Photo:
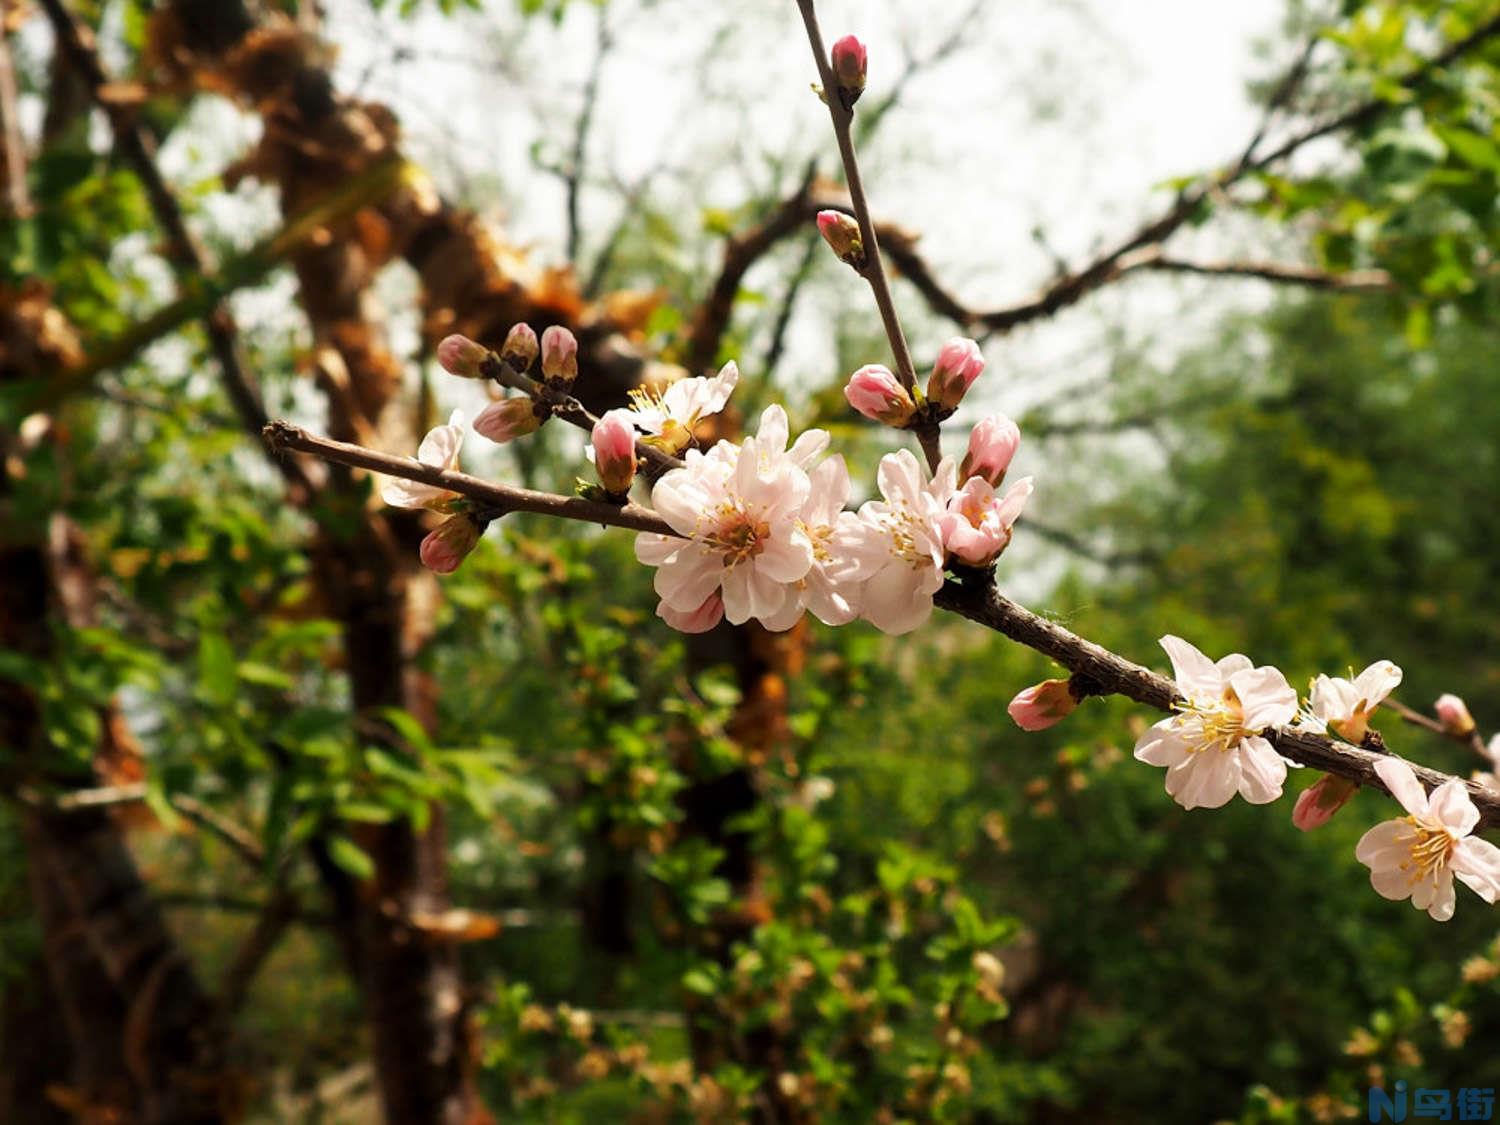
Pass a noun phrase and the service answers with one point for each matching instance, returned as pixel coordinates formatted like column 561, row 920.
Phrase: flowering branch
column 840, row 110
column 974, row 596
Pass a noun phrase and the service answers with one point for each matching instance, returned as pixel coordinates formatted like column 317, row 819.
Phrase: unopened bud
column 876, row 393
column 449, row 543
column 509, row 418
column 559, row 355
column 614, row 451
column 841, row 233
column 850, row 63
column 992, row 445
column 1042, row 705
column 1320, row 800
column 461, row 356
column 520, row 348
column 958, row 364
column 1453, row 713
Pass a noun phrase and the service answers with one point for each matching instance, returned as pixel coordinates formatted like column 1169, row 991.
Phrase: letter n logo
column 1383, row 1108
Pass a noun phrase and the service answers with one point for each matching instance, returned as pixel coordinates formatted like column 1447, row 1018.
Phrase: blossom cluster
column 762, row 527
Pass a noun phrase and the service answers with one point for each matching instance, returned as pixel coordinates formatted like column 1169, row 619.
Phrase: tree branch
column 872, row 269
column 980, row 602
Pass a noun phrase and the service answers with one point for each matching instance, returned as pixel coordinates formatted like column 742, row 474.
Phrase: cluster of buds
column 877, row 393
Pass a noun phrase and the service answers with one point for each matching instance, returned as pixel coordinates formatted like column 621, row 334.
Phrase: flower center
column 903, row 526
column 736, row 534
column 821, row 537
column 1429, row 852
column 1217, row 724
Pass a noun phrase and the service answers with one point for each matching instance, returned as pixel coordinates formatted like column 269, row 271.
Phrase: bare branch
column 573, row 173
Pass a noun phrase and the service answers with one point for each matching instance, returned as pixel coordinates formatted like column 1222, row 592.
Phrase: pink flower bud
column 841, row 233
column 958, row 365
column 614, row 451
column 1320, row 800
column 559, row 355
column 509, row 418
column 1042, row 705
column 992, row 444
column 700, row 620
column 850, row 63
column 459, row 355
column 1453, row 713
column 876, row 393
column 520, row 347
column 449, row 544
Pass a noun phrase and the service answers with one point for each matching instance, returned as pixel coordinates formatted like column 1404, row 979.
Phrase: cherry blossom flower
column 740, row 533
column 977, row 524
column 1042, row 705
column 1418, row 855
column 1212, row 747
column 896, row 546
column 671, row 415
column 1346, row 705
column 439, row 449
column 830, row 590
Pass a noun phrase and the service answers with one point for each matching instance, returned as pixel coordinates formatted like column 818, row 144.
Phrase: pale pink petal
column 1385, row 845
column 1440, row 907
column 1391, row 883
column 1265, row 696
column 700, row 620
column 1262, row 771
column 400, row 493
column 1403, row 785
column 786, row 558
column 1234, row 662
column 1161, row 745
column 1376, row 682
column 1193, row 672
column 687, row 579
column 893, row 602
column 653, row 549
column 1451, row 805
column 1205, row 780
column 1477, row 863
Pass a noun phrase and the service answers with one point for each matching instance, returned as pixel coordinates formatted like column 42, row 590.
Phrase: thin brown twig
column 1473, row 739
column 979, row 602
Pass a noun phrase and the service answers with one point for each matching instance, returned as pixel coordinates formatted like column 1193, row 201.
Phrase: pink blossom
column 831, row 590
column 977, row 524
column 613, row 444
column 1418, row 855
column 737, row 516
column 992, row 445
column 1212, row 746
column 958, row 364
column 1319, row 801
column 559, row 355
column 1346, row 705
column 459, row 355
column 671, row 414
column 841, row 233
column 877, row 394
column 449, row 544
column 439, row 450
column 896, row 545
column 1042, row 705
column 1453, row 713
column 507, row 419
column 520, row 348
column 700, row 620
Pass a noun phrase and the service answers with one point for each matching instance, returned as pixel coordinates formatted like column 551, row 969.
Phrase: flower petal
column 1477, row 863
column 1403, row 785
column 1193, row 672
column 1262, row 771
column 1450, row 803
